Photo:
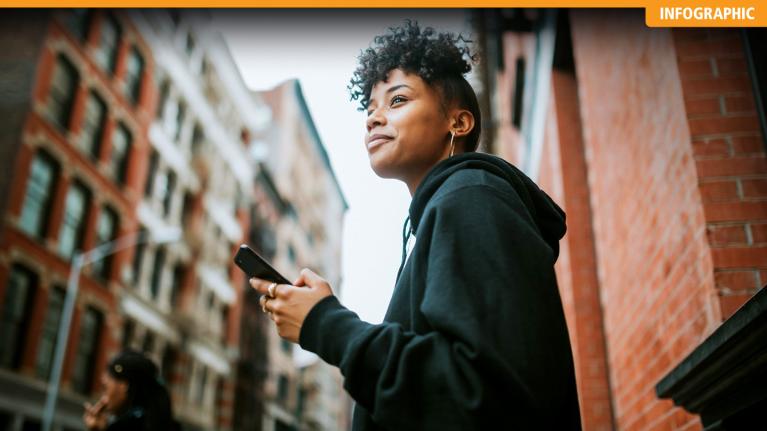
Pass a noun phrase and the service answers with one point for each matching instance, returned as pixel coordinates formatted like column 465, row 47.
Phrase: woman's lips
column 378, row 140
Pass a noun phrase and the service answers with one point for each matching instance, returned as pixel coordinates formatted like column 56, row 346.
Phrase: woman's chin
column 381, row 165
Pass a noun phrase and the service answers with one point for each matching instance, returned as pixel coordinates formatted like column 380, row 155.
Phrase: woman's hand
column 95, row 416
column 291, row 304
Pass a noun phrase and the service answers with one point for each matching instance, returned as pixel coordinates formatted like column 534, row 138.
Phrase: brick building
column 651, row 141
column 203, row 174
column 126, row 122
column 74, row 146
column 302, row 396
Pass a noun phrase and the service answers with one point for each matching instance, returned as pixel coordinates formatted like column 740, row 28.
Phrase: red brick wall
column 39, row 133
column 729, row 156
column 563, row 174
column 654, row 269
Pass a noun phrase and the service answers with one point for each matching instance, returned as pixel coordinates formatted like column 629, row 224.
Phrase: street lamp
column 79, row 260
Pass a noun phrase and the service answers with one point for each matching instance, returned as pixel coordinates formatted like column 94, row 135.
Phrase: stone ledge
column 724, row 378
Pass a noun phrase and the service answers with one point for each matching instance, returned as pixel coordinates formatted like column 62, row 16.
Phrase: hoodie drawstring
column 406, row 231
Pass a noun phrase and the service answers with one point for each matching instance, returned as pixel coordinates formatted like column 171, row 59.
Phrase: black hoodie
column 474, row 337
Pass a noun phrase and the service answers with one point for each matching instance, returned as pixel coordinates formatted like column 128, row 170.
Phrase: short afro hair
column 440, row 59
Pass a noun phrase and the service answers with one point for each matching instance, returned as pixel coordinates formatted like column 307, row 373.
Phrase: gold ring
column 263, row 306
column 271, row 289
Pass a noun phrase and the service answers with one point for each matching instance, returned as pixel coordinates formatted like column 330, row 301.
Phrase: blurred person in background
column 133, row 398
column 474, row 337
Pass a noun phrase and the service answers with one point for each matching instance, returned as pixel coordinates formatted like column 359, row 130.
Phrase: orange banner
column 706, row 13
column 658, row 13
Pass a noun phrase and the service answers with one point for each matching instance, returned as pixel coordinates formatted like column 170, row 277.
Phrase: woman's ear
column 463, row 122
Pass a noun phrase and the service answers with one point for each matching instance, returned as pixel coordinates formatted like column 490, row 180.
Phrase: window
column 224, row 321
column 300, row 402
column 39, row 195
column 164, row 93
column 85, row 359
column 133, row 76
column 168, row 361
column 190, row 44
column 121, row 143
column 138, row 257
column 167, row 197
column 75, row 211
column 14, row 321
column 198, row 139
column 47, row 346
column 148, row 344
column 180, row 115
column 129, row 328
column 187, row 208
column 77, row 22
column 238, row 197
column 201, row 386
column 282, row 388
column 519, row 89
column 175, row 16
column 159, row 264
column 93, row 124
column 106, row 54
column 153, row 161
column 178, row 282
column 62, row 93
column 106, row 231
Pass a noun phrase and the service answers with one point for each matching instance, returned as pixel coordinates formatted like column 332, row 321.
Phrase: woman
column 133, row 398
column 474, row 337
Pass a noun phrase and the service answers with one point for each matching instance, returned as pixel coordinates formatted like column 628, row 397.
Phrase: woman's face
column 408, row 130
column 115, row 392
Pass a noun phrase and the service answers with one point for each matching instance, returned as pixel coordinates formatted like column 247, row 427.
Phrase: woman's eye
column 397, row 99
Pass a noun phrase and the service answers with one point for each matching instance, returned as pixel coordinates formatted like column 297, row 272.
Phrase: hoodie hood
column 549, row 217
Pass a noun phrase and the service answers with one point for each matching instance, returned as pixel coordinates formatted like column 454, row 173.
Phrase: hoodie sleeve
column 488, row 291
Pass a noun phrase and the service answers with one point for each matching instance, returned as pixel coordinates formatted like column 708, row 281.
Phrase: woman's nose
column 376, row 118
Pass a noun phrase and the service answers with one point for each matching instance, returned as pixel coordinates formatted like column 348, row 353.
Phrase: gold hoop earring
column 452, row 144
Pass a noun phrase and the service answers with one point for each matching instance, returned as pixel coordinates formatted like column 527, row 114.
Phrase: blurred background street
column 181, row 134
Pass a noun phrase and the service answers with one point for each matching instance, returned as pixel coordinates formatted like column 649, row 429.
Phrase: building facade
column 73, row 150
column 122, row 123
column 651, row 141
column 303, row 393
column 200, row 177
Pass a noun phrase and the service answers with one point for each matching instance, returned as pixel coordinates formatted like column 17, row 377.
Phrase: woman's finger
column 263, row 302
column 310, row 278
column 260, row 285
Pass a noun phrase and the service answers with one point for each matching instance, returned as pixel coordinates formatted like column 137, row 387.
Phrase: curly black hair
column 440, row 59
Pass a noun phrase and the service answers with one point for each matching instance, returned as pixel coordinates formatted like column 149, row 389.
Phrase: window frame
column 60, row 111
column 119, row 166
column 102, row 268
column 96, row 131
column 80, row 226
column 106, row 55
column 42, row 212
column 83, row 375
column 134, row 81
column 15, row 332
column 49, row 332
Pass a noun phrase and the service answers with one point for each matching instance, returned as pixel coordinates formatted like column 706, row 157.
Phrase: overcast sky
column 320, row 48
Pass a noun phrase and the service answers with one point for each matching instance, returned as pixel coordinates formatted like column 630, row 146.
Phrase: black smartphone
column 255, row 266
